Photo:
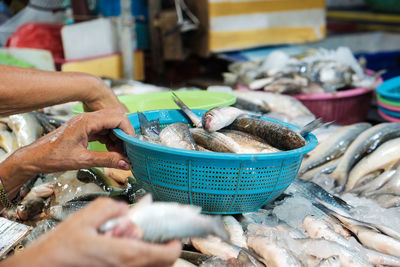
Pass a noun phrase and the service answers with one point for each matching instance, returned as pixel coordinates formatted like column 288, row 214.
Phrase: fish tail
column 315, row 124
column 193, row 117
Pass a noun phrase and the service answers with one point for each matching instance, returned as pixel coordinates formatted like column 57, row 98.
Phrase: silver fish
column 249, row 143
column 164, row 221
column 235, row 231
column 326, row 168
column 275, row 134
column 60, row 212
column 26, row 128
column 334, row 147
column 391, row 187
column 177, row 135
column 197, row 121
column 215, row 141
column 220, row 117
column 245, row 104
column 382, row 157
column 364, row 144
column 336, row 226
column 332, row 261
column 377, row 258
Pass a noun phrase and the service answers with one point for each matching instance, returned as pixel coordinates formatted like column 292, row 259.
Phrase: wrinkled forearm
column 23, row 90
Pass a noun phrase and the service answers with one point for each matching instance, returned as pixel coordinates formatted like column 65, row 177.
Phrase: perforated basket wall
column 221, row 183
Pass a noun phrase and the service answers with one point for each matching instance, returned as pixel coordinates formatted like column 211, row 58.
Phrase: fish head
column 28, row 209
column 210, row 123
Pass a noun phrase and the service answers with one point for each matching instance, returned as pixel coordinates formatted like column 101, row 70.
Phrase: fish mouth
column 207, row 121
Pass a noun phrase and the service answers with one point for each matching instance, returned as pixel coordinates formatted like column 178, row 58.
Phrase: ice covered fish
column 60, row 212
column 164, row 221
column 215, row 141
column 388, row 200
column 334, row 147
column 364, row 144
column 391, row 187
column 220, row 117
column 381, row 158
column 250, row 143
column 326, row 168
column 26, row 128
column 276, row 134
column 177, row 135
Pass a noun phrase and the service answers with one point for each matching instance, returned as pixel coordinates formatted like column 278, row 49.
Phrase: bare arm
column 23, row 90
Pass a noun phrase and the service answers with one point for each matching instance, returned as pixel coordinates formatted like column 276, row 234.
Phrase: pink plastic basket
column 343, row 107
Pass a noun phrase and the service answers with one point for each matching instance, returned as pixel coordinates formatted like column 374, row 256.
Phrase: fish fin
column 315, row 124
column 196, row 120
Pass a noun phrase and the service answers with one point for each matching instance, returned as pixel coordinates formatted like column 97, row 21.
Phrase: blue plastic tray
column 390, row 112
column 221, row 183
column 390, row 89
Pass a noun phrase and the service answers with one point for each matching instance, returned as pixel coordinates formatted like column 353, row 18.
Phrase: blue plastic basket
column 221, row 183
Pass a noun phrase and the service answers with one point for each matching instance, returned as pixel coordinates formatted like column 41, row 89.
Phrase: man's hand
column 77, row 242
column 66, row 149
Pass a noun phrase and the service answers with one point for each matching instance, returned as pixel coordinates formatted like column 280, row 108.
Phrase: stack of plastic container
column 388, row 99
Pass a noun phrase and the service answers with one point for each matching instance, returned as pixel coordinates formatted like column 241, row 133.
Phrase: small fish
column 332, row 261
column 377, row 258
column 164, row 221
column 382, row 157
column 317, row 228
column 30, row 208
column 249, row 143
column 391, row 187
column 215, row 141
column 312, row 191
column 26, row 128
column 388, row 200
column 150, row 130
column 41, row 191
column 197, row 121
column 177, row 135
column 272, row 254
column 214, row 246
column 60, row 212
column 364, row 144
column 220, row 117
column 334, row 147
column 337, row 226
column 326, row 168
column 376, row 183
column 276, row 134
column 235, row 231
column 244, row 104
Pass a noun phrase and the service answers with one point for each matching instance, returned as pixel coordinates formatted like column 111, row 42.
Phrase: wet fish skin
column 364, row 144
column 165, row 221
column 235, row 231
column 382, row 157
column 26, row 128
column 30, row 208
column 249, row 143
column 220, row 117
column 177, row 135
column 215, row 141
column 275, row 134
column 60, row 212
column 334, row 147
column 196, row 120
column 312, row 191
column 150, row 130
column 391, row 187
column 375, row 184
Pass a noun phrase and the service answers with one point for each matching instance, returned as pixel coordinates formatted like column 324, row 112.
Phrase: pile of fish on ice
column 315, row 72
column 306, row 226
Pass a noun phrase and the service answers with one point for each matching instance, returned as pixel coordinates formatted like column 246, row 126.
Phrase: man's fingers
column 100, row 211
column 109, row 119
column 107, row 159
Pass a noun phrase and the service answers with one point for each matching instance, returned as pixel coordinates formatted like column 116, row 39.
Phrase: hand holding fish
column 77, row 242
column 66, row 149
